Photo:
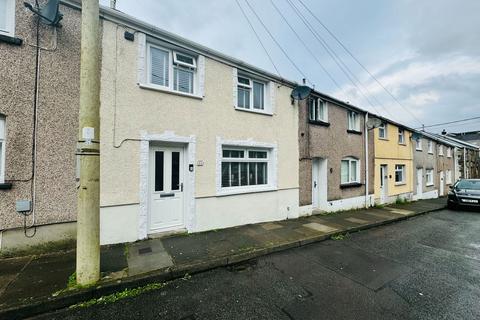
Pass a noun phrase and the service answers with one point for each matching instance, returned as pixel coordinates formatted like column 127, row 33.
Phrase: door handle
column 314, row 184
column 181, row 187
column 166, row 195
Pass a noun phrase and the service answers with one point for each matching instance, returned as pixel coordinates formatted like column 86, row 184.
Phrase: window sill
column 430, row 152
column 351, row 185
column 11, row 40
column 319, row 123
column 402, row 144
column 400, row 183
column 385, row 139
column 5, row 186
column 243, row 190
column 167, row 90
column 429, row 185
column 254, row 111
column 354, row 131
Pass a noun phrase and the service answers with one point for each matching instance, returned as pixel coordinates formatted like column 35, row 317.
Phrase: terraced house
column 191, row 139
column 434, row 165
column 336, row 169
column 393, row 162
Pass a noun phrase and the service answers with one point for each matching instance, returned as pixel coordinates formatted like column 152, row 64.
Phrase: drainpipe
column 464, row 163
column 365, row 129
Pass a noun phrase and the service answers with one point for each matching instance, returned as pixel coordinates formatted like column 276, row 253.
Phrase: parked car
column 465, row 192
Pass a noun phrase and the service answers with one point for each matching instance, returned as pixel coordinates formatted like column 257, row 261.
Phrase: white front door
column 442, row 184
column 315, row 182
column 166, row 205
column 419, row 183
column 319, row 183
column 383, row 183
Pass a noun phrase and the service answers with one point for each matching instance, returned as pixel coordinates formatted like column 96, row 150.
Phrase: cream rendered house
column 191, row 139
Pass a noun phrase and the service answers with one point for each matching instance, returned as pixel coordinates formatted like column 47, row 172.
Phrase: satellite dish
column 301, row 92
column 374, row 123
column 49, row 13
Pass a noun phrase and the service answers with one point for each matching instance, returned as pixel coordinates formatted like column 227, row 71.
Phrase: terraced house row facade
column 191, row 139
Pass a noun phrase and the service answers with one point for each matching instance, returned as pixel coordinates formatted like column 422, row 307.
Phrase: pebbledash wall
column 330, row 141
column 136, row 115
column 425, row 160
column 57, row 122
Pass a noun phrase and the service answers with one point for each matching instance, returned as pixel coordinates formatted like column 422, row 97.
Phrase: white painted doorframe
column 319, row 183
column 442, row 183
column 167, row 188
column 419, row 183
column 383, row 183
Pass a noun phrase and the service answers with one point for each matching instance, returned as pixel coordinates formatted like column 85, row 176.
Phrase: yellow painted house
column 393, row 163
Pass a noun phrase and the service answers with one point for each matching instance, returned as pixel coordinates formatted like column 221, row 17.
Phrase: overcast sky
column 425, row 52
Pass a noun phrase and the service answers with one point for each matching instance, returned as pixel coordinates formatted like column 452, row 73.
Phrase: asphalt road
column 423, row 268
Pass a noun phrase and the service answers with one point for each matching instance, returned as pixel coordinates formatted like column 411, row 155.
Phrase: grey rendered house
column 433, row 160
column 38, row 125
column 336, row 169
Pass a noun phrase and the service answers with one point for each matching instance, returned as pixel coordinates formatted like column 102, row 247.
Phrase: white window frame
column 172, row 64
column 429, row 177
column 430, row 146
column 383, row 128
column 440, row 150
column 252, row 146
column 3, row 138
column 353, row 121
column 10, row 19
column 350, row 160
column 401, row 136
column 250, row 86
column 449, row 152
column 418, row 144
column 400, row 168
column 317, row 102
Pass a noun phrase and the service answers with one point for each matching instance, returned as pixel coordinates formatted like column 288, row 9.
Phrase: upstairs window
column 430, row 146
column 353, row 121
column 449, row 152
column 448, row 177
column 350, row 168
column 440, row 150
column 250, row 94
column 401, row 136
column 382, row 131
column 172, row 70
column 245, row 167
column 399, row 173
column 317, row 110
column 7, row 17
column 418, row 144
column 2, row 149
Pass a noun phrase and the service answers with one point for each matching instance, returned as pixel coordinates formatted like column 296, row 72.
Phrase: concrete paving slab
column 320, row 227
column 356, row 220
column 403, row 212
column 40, row 278
column 113, row 258
column 147, row 256
column 271, row 226
column 10, row 269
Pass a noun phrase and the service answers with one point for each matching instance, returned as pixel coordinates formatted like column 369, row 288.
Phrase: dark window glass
column 244, row 174
column 226, row 174
column 257, row 154
column 158, row 170
column 233, row 153
column 175, row 170
column 235, row 174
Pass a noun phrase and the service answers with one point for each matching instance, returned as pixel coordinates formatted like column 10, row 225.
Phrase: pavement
column 426, row 267
column 37, row 284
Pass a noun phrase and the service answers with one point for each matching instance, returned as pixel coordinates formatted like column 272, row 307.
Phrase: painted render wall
column 58, row 104
column 130, row 112
column 331, row 142
column 422, row 159
column 388, row 151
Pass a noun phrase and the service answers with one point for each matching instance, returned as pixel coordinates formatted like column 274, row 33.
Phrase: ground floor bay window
column 244, row 168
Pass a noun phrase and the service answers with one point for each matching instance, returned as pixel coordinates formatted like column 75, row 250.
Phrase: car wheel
column 451, row 206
